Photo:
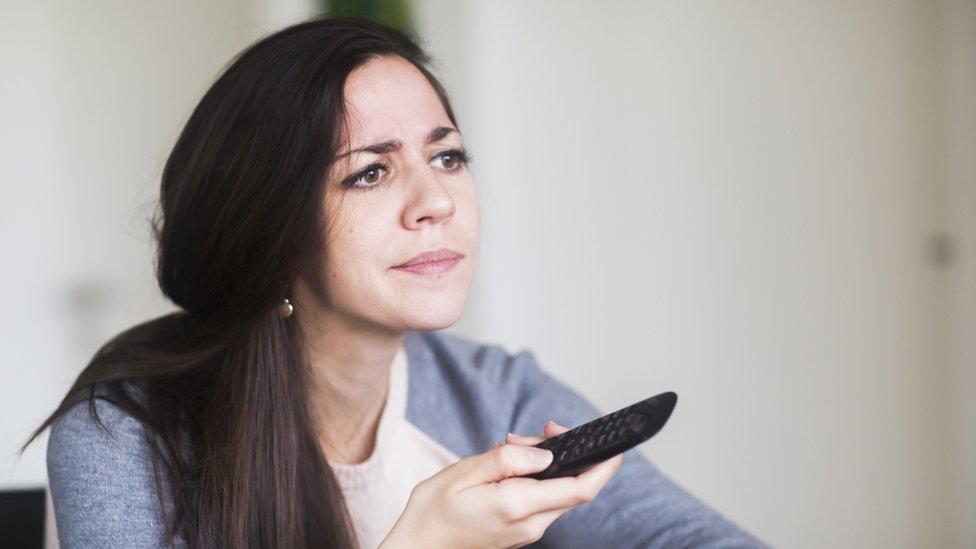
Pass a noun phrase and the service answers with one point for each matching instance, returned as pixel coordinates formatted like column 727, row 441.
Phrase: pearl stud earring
column 286, row 308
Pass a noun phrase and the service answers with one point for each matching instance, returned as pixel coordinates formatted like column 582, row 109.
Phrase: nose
column 430, row 201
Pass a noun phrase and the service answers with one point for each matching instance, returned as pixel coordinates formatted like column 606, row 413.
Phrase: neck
column 349, row 382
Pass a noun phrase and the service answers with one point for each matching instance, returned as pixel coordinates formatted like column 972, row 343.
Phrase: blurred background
column 768, row 207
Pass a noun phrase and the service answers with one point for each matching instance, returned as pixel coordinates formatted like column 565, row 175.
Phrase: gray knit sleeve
column 102, row 484
column 639, row 506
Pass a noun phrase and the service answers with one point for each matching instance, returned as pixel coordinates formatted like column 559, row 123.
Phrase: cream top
column 377, row 489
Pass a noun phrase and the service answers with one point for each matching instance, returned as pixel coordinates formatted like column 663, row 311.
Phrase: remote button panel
column 582, row 447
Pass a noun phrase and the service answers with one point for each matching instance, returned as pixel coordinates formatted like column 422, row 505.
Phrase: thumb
column 552, row 429
column 501, row 462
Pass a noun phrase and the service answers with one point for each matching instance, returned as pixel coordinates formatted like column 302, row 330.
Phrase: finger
column 552, row 429
column 512, row 438
column 536, row 496
column 501, row 462
column 539, row 496
column 540, row 522
column 601, row 473
column 545, row 518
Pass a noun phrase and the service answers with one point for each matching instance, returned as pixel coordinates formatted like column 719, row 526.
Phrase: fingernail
column 539, row 456
column 514, row 436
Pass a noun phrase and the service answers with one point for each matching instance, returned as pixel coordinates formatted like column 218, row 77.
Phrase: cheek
column 468, row 215
column 354, row 261
column 357, row 275
column 467, row 234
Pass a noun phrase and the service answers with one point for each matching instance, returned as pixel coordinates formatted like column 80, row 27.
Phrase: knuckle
column 529, row 531
column 505, row 457
column 585, row 494
column 508, row 511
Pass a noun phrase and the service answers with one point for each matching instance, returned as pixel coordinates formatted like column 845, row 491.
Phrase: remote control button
column 637, row 422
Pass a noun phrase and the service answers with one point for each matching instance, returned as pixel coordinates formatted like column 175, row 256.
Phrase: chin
column 433, row 314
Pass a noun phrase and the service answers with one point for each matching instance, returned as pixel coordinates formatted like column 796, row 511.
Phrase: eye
column 368, row 175
column 454, row 159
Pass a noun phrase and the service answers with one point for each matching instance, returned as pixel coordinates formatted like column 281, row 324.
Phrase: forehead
column 388, row 97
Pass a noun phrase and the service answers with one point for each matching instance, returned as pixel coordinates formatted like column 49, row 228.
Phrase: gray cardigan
column 464, row 394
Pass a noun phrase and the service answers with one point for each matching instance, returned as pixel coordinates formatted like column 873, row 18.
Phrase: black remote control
column 582, row 447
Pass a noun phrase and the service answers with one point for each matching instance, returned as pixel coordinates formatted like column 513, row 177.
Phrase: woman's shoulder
column 101, row 473
column 467, row 393
column 96, row 434
column 97, row 415
column 507, row 376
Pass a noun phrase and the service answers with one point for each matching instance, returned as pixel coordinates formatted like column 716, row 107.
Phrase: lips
column 443, row 254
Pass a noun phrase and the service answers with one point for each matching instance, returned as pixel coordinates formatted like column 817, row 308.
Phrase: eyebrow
column 394, row 144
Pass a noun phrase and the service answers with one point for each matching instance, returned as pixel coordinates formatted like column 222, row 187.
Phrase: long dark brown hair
column 221, row 384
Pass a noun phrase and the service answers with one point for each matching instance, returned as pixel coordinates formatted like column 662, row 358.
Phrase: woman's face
column 423, row 200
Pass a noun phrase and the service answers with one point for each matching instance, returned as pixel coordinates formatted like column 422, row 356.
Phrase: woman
column 318, row 225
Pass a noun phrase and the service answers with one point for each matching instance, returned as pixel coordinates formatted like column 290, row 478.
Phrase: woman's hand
column 480, row 501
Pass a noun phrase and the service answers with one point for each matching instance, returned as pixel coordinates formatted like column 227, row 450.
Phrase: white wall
column 736, row 201
column 93, row 97
column 959, row 132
